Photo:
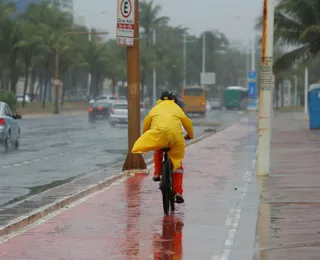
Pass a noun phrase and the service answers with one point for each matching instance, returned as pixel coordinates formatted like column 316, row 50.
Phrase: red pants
column 177, row 175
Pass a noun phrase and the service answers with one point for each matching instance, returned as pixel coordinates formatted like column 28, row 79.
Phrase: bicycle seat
column 167, row 149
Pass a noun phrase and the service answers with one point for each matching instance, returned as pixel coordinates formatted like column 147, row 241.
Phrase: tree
column 297, row 26
column 150, row 19
column 29, row 47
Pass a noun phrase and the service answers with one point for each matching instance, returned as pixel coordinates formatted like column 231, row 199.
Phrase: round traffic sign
column 126, row 8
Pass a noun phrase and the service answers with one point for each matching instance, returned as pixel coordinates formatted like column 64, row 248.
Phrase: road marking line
column 247, row 178
column 229, row 217
column 55, row 213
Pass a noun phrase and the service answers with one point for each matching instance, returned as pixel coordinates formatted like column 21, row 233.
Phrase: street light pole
column 266, row 78
column 184, row 58
column 306, row 83
column 154, row 73
column 134, row 161
column 57, row 81
column 203, row 55
column 253, row 53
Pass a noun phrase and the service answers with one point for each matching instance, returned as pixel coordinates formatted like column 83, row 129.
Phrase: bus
column 235, row 97
column 194, row 99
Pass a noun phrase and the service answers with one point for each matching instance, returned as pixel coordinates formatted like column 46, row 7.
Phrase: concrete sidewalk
column 289, row 212
column 125, row 220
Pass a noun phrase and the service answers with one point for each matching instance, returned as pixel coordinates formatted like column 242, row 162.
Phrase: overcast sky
column 235, row 18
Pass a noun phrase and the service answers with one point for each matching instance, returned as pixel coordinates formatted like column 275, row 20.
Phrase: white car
column 119, row 113
column 9, row 128
column 20, row 98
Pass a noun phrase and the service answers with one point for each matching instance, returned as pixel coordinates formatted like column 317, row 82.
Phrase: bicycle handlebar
column 187, row 138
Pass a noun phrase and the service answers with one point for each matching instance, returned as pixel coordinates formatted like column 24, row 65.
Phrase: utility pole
column 134, row 161
column 89, row 75
column 184, row 58
column 203, row 55
column 154, row 72
column 253, row 53
column 265, row 110
column 306, row 83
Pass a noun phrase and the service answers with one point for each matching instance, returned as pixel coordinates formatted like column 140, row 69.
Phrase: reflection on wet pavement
column 126, row 221
column 57, row 149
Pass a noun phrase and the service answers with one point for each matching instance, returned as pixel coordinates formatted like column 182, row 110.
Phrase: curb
column 50, row 115
column 38, row 214
column 23, row 221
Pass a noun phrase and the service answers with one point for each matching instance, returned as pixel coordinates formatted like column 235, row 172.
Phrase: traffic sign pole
column 134, row 161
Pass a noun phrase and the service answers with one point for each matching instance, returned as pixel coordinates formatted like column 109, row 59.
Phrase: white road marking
column 229, row 217
column 234, row 221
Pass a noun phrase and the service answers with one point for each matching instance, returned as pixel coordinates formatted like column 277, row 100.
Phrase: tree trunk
column 92, row 89
column 32, row 84
column 114, row 86
column 40, row 87
column 13, row 72
column 26, row 81
column 1, row 80
column 47, row 77
column 282, row 94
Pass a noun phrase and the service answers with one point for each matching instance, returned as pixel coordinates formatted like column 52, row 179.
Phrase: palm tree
column 297, row 26
column 29, row 47
column 95, row 58
column 51, row 23
column 150, row 19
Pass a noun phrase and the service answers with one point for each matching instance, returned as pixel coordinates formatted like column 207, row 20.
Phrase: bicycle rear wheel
column 171, row 194
column 165, row 188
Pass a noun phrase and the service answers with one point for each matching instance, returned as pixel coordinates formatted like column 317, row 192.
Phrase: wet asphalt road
column 56, row 149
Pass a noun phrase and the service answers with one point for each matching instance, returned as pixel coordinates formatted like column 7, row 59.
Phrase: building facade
column 21, row 5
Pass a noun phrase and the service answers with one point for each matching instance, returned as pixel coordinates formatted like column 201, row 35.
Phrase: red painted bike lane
column 126, row 221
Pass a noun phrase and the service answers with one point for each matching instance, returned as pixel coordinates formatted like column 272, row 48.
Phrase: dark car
column 99, row 108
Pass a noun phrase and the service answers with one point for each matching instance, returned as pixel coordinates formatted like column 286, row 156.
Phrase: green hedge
column 9, row 98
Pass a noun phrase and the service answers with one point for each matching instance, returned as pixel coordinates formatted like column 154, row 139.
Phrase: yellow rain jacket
column 162, row 128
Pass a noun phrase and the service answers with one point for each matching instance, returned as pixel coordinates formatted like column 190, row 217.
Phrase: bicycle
column 166, row 182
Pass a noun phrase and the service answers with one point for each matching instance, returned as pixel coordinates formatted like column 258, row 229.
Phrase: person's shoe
column 179, row 198
column 156, row 178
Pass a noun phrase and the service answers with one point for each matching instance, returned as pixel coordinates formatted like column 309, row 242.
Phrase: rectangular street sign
column 125, row 22
column 207, row 78
column 252, row 75
column 252, row 89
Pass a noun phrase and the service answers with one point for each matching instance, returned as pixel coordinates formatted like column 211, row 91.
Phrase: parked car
column 119, row 113
column 20, row 98
column 9, row 128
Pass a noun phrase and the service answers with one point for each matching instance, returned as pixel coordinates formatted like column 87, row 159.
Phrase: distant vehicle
column 119, row 113
column 100, row 108
column 215, row 103
column 20, row 98
column 9, row 128
column 111, row 100
column 235, row 97
column 194, row 99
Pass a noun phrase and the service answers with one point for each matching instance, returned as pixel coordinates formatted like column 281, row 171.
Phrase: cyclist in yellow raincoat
column 161, row 129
